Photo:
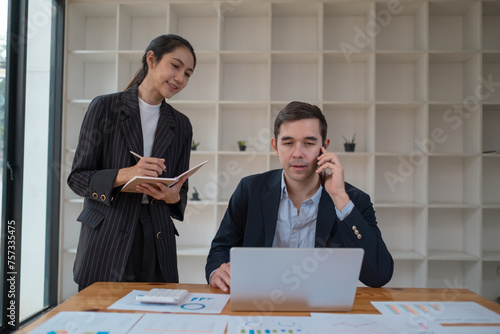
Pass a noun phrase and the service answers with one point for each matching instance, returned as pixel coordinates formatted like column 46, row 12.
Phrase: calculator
column 163, row 296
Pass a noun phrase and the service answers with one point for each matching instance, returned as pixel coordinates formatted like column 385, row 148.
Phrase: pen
column 139, row 156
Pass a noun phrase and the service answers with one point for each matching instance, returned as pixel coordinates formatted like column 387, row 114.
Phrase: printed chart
column 440, row 312
column 88, row 323
column 373, row 324
column 270, row 325
column 180, row 324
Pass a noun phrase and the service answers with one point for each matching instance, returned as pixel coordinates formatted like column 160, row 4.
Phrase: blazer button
column 359, row 236
column 159, row 235
column 354, row 228
column 103, row 197
column 154, row 202
column 94, row 195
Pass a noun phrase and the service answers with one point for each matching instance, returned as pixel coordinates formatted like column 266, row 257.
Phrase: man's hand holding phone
column 334, row 182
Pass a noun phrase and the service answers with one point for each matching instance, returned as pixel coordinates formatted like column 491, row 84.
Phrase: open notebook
column 129, row 187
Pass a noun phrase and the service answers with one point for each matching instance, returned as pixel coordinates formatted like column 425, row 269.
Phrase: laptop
column 294, row 279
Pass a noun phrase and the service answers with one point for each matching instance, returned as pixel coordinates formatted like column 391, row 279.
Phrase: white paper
column 88, row 322
column 374, row 323
column 194, row 303
column 473, row 329
column 180, row 324
column 270, row 324
column 441, row 312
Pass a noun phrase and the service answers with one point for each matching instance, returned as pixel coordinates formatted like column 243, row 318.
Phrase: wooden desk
column 99, row 296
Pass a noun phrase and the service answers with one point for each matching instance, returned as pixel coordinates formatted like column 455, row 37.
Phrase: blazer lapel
column 270, row 206
column 164, row 133
column 131, row 121
column 327, row 218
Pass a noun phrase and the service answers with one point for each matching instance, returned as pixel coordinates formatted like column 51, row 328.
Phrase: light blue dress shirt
column 297, row 229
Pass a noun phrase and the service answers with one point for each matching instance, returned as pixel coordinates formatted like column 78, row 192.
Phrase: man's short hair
column 295, row 111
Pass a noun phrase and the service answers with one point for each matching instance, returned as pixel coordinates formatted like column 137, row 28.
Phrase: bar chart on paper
column 271, row 325
column 441, row 312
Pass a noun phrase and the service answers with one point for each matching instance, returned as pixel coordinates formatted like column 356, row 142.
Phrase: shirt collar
column 284, row 192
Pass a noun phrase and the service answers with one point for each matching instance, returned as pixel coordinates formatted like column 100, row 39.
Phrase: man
column 305, row 204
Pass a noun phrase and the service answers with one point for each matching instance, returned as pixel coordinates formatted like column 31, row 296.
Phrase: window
column 31, row 35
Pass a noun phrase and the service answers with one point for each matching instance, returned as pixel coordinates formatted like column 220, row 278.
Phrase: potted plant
column 350, row 145
column 194, row 145
column 242, row 144
column 195, row 195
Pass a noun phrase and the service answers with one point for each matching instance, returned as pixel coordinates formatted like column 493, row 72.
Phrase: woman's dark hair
column 295, row 111
column 160, row 45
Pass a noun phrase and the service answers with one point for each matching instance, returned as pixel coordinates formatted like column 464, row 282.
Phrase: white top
column 149, row 120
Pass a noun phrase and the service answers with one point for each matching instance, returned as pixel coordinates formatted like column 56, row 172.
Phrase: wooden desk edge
column 99, row 296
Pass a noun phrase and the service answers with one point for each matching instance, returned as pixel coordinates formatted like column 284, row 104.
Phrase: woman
column 131, row 236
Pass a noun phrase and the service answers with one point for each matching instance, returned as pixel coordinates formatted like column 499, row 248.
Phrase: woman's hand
column 146, row 166
column 161, row 192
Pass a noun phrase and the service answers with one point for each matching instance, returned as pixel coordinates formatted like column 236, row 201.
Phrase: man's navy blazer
column 251, row 217
column 110, row 130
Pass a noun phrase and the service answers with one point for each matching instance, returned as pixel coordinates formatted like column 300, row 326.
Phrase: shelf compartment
column 491, row 281
column 203, row 180
column 454, row 27
column 491, row 231
column 232, row 168
column 71, row 212
column 295, row 26
column 348, row 27
column 91, row 74
column 294, row 77
column 196, row 22
column 400, row 77
column 75, row 112
column 246, row 27
column 454, row 234
column 444, row 274
column 400, row 179
column 453, row 129
column 128, row 64
column 245, row 77
column 491, row 25
column 194, row 230
column 453, row 77
column 490, row 134
column 491, row 77
column 348, row 80
column 192, row 269
column 203, row 118
column 345, row 119
column 131, row 22
column 357, row 171
column 404, row 231
column 454, row 180
column 235, row 125
column 405, row 122
column 408, row 273
column 91, row 28
column 202, row 84
column 401, row 27
column 490, row 181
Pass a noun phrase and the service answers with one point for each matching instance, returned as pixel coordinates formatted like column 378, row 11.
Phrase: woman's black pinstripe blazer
column 110, row 130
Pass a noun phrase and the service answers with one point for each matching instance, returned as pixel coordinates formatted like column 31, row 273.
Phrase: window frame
column 12, row 194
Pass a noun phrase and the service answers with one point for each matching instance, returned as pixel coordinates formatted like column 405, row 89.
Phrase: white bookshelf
column 416, row 82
